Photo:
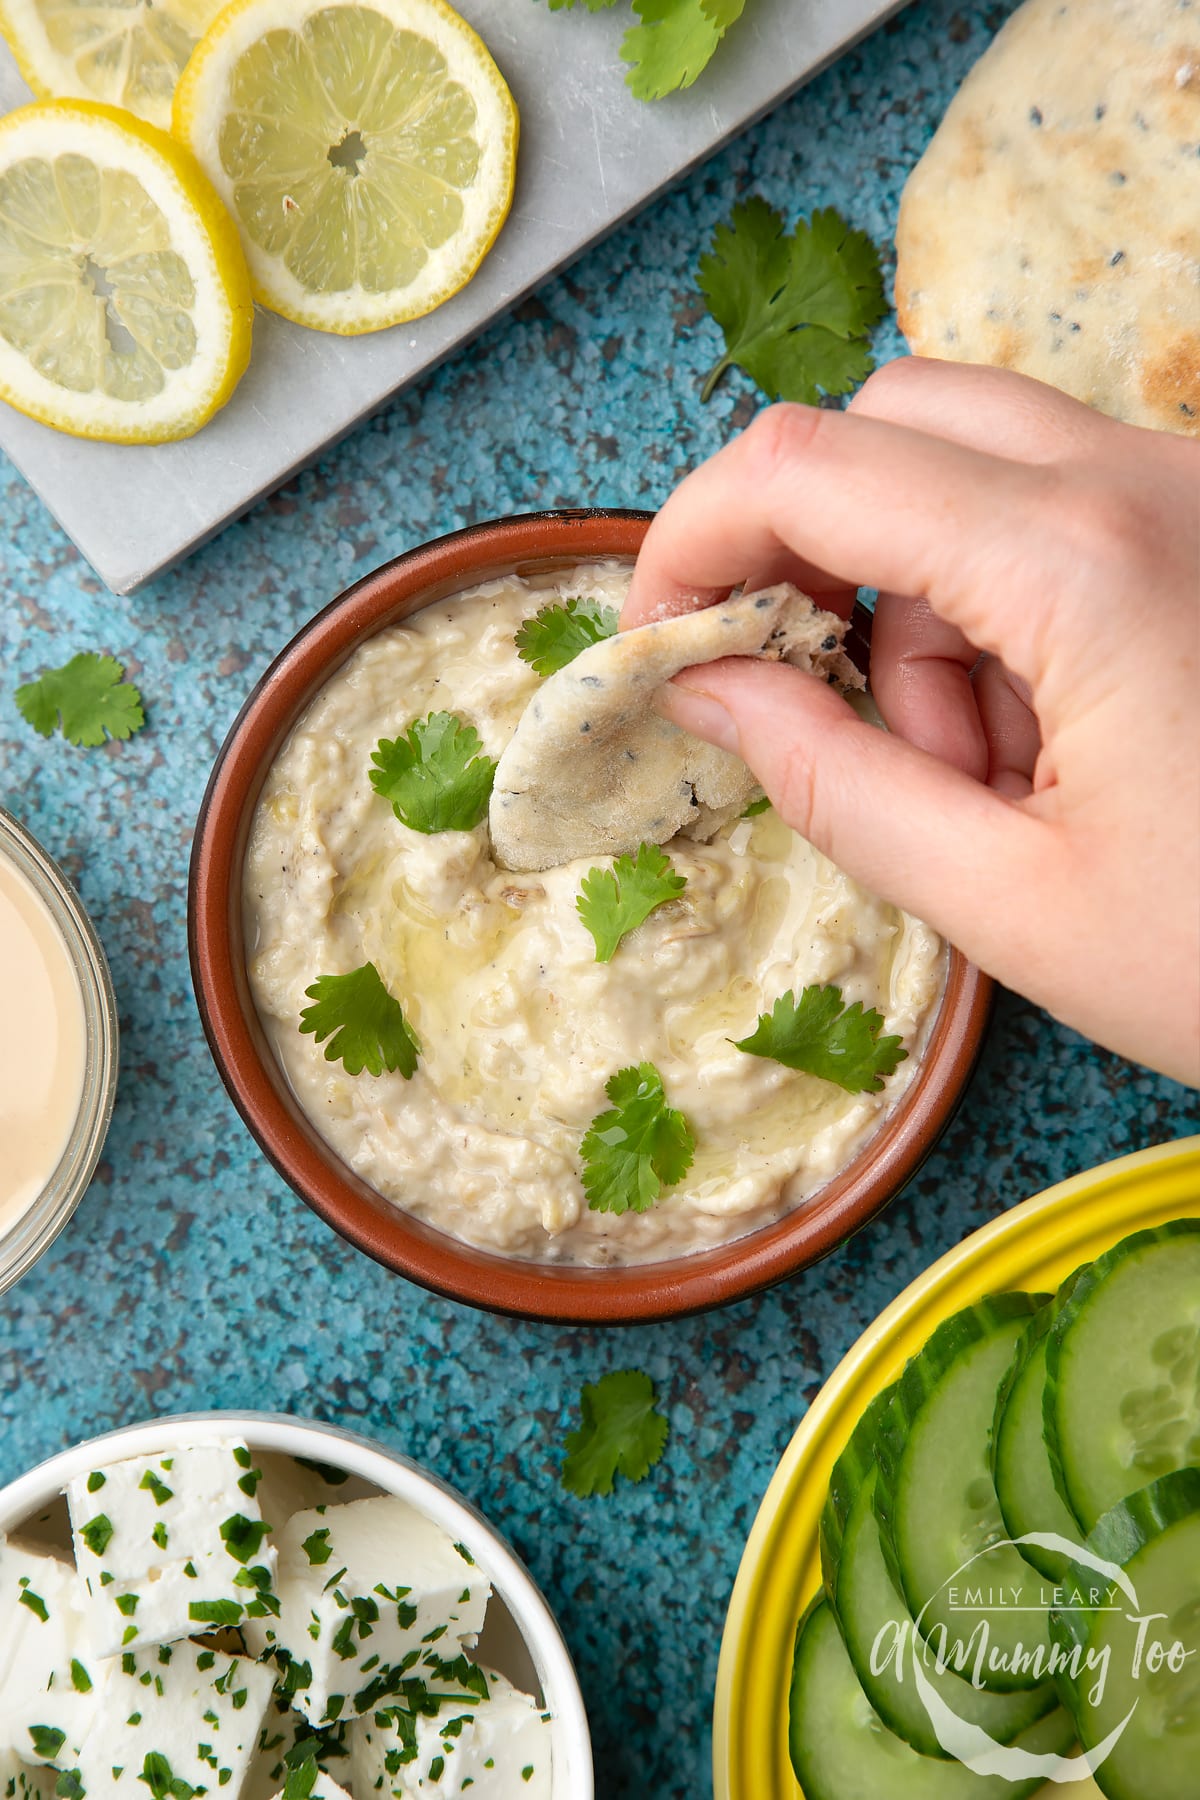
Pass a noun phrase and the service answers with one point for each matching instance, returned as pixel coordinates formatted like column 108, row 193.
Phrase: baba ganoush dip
column 519, row 1026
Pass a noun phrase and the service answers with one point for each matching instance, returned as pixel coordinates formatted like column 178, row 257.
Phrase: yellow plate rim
column 1035, row 1244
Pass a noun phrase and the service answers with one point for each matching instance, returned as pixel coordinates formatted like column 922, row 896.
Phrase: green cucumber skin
column 852, row 1468
column 918, row 1383
column 859, row 1571
column 841, row 1752
column 1005, row 1426
column 1129, row 1526
column 1133, row 1525
column 855, row 1471
column 1086, row 1282
column 1136, row 1521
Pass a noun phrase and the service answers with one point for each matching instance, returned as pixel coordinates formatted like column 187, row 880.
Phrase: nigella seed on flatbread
column 1053, row 224
column 592, row 769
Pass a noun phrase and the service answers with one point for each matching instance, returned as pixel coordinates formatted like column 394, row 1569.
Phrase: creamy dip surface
column 519, row 1026
column 42, row 1048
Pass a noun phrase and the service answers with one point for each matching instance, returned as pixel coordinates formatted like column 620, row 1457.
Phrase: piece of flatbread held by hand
column 1053, row 224
column 592, row 770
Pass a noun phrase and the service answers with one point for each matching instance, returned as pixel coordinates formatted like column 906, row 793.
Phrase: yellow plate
column 1035, row 1246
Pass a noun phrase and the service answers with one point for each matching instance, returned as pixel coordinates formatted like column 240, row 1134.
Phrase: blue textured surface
column 191, row 1277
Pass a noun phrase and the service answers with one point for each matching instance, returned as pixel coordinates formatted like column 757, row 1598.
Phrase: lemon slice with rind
column 125, row 306
column 367, row 152
column 126, row 53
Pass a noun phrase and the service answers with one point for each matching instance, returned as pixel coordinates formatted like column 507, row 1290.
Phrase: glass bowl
column 35, row 1228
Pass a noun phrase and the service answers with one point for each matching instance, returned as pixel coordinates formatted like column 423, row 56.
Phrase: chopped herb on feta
column 385, row 1603
column 498, row 1744
column 308, row 1782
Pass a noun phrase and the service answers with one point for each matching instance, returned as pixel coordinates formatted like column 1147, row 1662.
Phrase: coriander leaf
column 830, row 365
column 761, row 805
column 89, row 697
column 613, row 901
column 631, row 1152
column 558, row 632
column 242, row 1537
column 48, row 1740
column 163, row 1783
column 795, row 309
column 435, row 776
column 821, row 1036
column 621, row 1432
column 674, row 43
column 368, row 1026
column 215, row 1612
column 301, row 1779
column 97, row 1533
column 723, row 13
column 317, row 1547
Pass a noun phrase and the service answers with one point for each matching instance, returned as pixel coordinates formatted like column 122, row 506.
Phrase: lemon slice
column 125, row 52
column 366, row 151
column 125, row 307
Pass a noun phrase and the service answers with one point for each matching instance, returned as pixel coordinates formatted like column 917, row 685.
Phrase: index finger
column 858, row 502
column 827, row 590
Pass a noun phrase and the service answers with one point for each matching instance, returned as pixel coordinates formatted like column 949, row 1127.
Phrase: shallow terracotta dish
column 521, row 545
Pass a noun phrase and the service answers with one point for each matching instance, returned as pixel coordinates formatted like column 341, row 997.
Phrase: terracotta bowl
column 256, row 1083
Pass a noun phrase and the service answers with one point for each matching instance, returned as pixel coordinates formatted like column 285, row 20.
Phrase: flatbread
column 592, row 770
column 1053, row 224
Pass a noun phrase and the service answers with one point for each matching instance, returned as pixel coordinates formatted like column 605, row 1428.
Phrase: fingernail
column 703, row 716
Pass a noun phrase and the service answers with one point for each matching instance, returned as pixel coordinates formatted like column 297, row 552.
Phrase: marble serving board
column 590, row 156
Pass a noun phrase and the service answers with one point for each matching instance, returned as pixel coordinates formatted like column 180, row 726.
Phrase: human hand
column 1035, row 656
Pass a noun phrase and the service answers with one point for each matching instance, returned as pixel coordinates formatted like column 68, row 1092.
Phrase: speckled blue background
column 190, row 1276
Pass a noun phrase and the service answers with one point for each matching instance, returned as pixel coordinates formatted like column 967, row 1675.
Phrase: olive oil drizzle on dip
column 42, row 1045
column 519, row 1026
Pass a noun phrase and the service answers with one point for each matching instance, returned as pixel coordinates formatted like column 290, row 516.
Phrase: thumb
column 916, row 831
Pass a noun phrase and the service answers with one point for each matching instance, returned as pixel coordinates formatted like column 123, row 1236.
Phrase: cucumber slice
column 841, row 1751
column 873, row 1616
column 1029, row 1500
column 1123, row 1370
column 970, row 1592
column 1154, row 1535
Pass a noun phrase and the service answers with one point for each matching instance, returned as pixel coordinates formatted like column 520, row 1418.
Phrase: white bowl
column 520, row 1635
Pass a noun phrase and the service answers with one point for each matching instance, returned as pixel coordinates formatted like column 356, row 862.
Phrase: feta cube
column 169, row 1545
column 20, row 1780
column 176, row 1713
column 368, row 1593
column 498, row 1748
column 50, row 1675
